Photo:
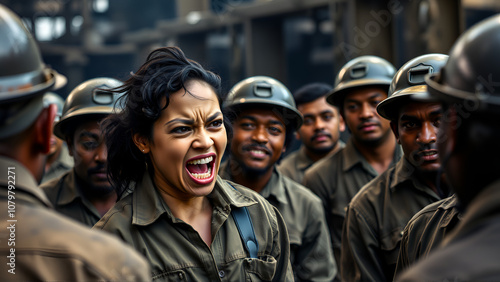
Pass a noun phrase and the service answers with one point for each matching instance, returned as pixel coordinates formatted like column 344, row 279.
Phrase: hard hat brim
column 53, row 79
column 478, row 101
column 61, row 127
column 389, row 107
column 445, row 93
column 337, row 95
column 284, row 109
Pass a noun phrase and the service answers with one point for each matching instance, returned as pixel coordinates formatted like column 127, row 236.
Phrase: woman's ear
column 141, row 142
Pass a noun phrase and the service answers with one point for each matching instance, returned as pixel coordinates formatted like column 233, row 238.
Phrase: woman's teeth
column 202, row 175
column 201, row 161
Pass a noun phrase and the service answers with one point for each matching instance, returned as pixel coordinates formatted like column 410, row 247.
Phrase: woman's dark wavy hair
column 166, row 71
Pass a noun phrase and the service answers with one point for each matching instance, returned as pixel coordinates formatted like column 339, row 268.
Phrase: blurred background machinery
column 294, row 41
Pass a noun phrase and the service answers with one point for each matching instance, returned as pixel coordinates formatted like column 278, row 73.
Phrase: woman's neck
column 196, row 211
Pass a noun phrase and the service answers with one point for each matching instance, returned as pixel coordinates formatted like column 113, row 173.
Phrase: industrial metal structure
column 294, row 41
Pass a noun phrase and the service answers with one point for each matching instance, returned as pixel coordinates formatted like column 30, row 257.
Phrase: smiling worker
column 264, row 119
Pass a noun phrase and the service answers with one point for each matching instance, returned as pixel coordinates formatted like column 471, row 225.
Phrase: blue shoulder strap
column 245, row 227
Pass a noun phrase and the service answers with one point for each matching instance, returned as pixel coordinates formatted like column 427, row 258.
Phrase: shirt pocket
column 171, row 276
column 261, row 269
column 390, row 246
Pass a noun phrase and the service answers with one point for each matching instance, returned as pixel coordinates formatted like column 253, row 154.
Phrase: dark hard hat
column 472, row 74
column 359, row 72
column 264, row 90
column 88, row 99
column 23, row 76
column 408, row 84
column 23, row 73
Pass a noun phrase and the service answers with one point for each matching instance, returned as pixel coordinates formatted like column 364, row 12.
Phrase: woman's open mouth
column 201, row 168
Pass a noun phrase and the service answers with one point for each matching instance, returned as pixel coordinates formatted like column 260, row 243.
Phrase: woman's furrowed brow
column 191, row 121
column 180, row 120
column 214, row 116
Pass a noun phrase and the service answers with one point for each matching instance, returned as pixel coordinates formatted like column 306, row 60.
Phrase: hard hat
column 471, row 74
column 89, row 98
column 409, row 83
column 23, row 74
column 264, row 90
column 358, row 72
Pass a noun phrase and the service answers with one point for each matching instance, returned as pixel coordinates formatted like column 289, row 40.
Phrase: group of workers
column 165, row 177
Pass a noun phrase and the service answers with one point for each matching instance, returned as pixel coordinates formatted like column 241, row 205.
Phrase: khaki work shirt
column 176, row 252
column 471, row 251
column 64, row 194
column 336, row 180
column 63, row 164
column 39, row 244
column 295, row 164
column 426, row 230
column 375, row 220
column 310, row 249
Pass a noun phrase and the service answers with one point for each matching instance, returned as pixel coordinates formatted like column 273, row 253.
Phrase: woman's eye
column 216, row 123
column 181, row 129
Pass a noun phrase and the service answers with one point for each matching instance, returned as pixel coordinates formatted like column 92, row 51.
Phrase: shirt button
column 222, row 274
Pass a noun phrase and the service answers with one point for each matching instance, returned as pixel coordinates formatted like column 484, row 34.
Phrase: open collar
column 149, row 206
column 275, row 187
column 352, row 157
column 302, row 160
